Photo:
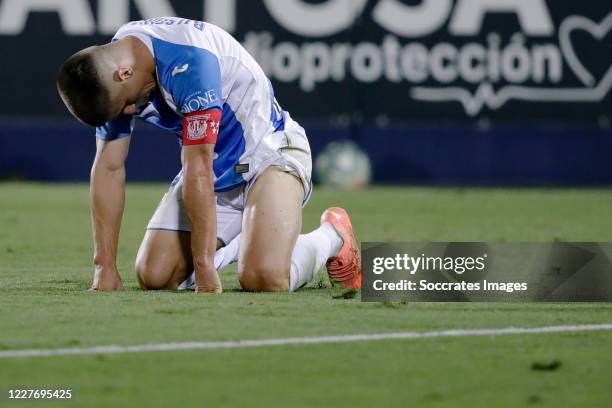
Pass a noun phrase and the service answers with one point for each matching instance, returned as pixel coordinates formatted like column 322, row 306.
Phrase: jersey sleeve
column 195, row 85
column 196, row 81
column 118, row 128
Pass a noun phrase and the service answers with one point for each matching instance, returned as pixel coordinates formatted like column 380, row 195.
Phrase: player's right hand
column 106, row 280
column 208, row 281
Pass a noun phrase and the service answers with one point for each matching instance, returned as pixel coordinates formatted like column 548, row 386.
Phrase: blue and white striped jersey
column 201, row 67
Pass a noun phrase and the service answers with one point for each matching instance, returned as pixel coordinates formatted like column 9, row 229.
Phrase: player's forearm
column 199, row 199
column 107, row 199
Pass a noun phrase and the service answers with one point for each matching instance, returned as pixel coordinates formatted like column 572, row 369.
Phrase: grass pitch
column 45, row 269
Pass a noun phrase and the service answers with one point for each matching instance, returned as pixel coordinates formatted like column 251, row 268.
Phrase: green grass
column 45, row 269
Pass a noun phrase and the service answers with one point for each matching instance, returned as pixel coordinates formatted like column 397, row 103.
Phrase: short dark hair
column 82, row 90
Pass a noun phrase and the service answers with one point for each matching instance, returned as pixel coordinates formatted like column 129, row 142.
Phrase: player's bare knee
column 151, row 276
column 272, row 278
column 144, row 275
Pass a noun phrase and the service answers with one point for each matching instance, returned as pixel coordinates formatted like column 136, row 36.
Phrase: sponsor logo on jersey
column 200, row 101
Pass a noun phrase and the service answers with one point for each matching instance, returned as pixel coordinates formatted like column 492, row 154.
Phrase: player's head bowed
column 101, row 82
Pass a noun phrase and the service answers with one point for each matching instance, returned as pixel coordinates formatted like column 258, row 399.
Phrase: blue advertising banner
column 356, row 60
column 471, row 92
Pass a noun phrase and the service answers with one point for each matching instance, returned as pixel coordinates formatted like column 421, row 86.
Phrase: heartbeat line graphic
column 485, row 95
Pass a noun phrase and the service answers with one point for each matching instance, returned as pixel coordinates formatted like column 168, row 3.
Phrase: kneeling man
column 246, row 165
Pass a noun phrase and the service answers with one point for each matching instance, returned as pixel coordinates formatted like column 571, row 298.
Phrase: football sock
column 311, row 251
column 227, row 254
column 223, row 257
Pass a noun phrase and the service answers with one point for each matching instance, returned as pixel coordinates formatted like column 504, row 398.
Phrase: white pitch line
column 237, row 344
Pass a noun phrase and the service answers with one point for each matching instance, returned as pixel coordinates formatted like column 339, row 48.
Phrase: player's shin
column 310, row 253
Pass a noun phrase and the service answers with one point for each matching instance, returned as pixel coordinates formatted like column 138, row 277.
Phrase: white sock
column 227, row 254
column 310, row 253
column 223, row 257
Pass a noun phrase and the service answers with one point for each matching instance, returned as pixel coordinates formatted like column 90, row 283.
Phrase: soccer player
column 246, row 165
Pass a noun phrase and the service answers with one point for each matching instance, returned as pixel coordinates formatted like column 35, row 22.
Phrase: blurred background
column 422, row 92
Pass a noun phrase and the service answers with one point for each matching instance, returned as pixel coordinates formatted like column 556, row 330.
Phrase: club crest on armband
column 197, row 126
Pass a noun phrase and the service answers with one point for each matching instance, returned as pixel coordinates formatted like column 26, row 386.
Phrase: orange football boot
column 345, row 268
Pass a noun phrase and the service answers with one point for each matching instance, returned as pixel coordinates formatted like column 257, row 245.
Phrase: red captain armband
column 201, row 127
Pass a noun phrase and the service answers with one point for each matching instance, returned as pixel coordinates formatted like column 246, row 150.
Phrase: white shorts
column 293, row 157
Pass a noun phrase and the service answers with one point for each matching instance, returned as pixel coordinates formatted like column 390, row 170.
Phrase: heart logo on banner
column 597, row 31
